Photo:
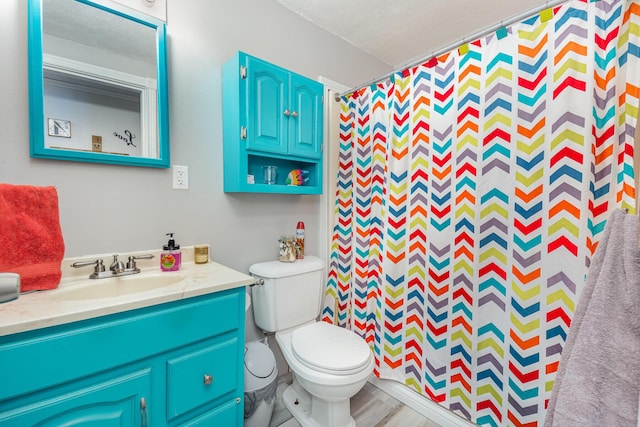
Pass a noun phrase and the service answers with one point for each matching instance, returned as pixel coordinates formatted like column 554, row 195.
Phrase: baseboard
column 420, row 404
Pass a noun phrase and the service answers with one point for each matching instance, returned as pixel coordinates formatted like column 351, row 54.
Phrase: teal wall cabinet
column 272, row 117
column 174, row 364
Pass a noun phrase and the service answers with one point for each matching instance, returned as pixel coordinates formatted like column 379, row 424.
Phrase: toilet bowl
column 329, row 363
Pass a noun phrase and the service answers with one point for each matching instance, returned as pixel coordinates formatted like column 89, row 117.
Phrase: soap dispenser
column 170, row 258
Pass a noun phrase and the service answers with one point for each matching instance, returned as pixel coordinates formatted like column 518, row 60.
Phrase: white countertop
column 45, row 308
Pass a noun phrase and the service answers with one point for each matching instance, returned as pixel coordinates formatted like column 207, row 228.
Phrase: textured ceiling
column 403, row 31
column 77, row 22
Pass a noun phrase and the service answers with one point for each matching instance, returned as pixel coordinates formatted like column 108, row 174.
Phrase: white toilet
column 329, row 363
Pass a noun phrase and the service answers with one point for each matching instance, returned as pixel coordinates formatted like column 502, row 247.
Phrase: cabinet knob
column 294, row 114
column 287, row 112
column 208, row 379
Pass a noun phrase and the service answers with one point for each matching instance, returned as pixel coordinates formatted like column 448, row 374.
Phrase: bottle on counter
column 171, row 257
column 300, row 240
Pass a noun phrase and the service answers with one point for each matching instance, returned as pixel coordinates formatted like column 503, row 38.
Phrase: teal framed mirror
column 97, row 84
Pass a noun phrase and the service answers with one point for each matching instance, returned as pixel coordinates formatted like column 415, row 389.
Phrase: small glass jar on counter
column 287, row 249
column 201, row 254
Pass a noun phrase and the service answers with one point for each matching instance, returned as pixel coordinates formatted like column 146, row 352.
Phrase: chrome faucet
column 116, row 269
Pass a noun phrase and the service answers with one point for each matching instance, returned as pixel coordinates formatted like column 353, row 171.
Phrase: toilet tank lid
column 276, row 269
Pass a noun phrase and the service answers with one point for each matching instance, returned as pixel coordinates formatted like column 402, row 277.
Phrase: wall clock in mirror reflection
column 59, row 127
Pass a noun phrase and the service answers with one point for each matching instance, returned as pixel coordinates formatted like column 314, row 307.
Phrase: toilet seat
column 330, row 349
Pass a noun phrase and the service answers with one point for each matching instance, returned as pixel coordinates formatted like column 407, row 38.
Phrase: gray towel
column 598, row 379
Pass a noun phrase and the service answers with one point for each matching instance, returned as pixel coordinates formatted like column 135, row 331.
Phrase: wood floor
column 371, row 407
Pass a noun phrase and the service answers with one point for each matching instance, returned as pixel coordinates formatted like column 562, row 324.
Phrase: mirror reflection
column 103, row 85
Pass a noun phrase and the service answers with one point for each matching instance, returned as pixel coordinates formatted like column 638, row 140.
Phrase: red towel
column 30, row 235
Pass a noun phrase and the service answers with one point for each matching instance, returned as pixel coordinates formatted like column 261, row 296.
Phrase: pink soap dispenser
column 171, row 256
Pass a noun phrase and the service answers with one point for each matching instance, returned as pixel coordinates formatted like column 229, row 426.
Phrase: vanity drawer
column 203, row 375
column 226, row 415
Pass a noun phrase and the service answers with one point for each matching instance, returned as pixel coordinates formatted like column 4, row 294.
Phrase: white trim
column 326, row 199
column 95, row 72
column 420, row 404
column 333, row 85
column 139, row 9
column 130, row 96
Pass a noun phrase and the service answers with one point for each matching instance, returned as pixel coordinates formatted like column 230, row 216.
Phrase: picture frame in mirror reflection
column 59, row 128
column 97, row 77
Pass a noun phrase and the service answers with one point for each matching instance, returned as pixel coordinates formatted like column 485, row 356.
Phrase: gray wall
column 110, row 209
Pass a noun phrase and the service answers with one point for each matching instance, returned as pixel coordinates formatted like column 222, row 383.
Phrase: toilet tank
column 291, row 293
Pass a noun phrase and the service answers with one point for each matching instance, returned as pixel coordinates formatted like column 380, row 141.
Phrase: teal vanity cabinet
column 272, row 117
column 173, row 364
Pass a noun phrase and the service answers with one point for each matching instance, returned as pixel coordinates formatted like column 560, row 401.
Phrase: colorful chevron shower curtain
column 471, row 195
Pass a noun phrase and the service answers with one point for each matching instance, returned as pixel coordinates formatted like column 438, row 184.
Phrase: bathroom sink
column 116, row 286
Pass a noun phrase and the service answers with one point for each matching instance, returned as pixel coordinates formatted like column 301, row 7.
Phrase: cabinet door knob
column 294, row 114
column 208, row 379
column 287, row 112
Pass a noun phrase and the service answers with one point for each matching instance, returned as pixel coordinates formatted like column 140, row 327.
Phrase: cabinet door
column 267, row 99
column 116, row 402
column 305, row 123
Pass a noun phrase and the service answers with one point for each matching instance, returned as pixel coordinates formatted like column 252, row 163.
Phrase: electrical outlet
column 180, row 177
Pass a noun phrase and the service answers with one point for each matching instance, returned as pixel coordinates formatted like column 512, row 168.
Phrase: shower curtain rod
column 480, row 34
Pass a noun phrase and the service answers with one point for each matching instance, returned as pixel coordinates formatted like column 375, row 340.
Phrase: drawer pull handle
column 208, row 379
column 287, row 112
